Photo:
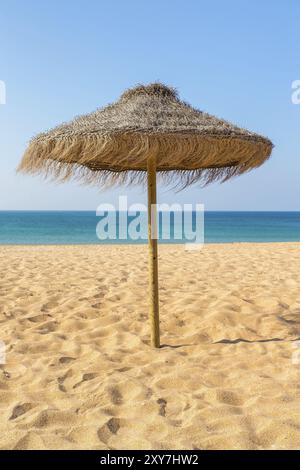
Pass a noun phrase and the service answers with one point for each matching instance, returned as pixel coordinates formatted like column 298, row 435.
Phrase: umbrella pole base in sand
column 152, row 244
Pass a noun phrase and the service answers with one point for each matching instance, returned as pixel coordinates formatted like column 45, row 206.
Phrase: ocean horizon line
column 94, row 210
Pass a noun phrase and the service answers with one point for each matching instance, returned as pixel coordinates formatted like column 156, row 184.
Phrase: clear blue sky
column 236, row 59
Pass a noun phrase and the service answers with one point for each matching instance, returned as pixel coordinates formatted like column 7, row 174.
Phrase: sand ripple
column 80, row 372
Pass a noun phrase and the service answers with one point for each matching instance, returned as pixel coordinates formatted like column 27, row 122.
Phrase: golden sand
column 79, row 371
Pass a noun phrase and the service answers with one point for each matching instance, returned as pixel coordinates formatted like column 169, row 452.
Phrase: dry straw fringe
column 122, row 159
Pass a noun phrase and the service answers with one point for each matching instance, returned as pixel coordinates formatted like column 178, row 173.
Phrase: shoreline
column 144, row 244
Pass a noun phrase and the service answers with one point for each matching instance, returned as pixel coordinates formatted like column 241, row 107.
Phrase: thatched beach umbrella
column 148, row 130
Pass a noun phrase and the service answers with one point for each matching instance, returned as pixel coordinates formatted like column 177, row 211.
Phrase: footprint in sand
column 49, row 305
column 162, row 406
column 123, row 369
column 46, row 328
column 115, row 396
column 229, row 398
column 85, row 377
column 19, row 410
column 66, row 359
column 112, row 426
column 61, row 379
column 98, row 296
column 39, row 318
column 54, row 417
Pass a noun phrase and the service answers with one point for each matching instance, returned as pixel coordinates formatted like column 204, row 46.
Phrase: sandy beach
column 79, row 372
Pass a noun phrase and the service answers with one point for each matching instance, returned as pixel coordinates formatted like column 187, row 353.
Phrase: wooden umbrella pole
column 152, row 244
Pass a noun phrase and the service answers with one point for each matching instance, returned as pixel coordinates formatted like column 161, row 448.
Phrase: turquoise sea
column 69, row 227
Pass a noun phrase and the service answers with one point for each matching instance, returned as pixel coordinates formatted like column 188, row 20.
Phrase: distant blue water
column 18, row 227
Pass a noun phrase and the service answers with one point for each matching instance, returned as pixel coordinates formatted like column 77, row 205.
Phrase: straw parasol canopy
column 148, row 131
column 112, row 145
